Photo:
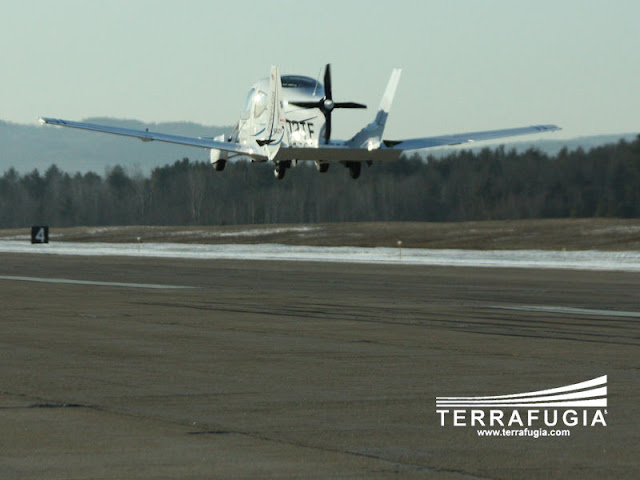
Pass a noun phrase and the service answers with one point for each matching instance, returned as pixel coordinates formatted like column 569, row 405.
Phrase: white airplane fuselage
column 305, row 126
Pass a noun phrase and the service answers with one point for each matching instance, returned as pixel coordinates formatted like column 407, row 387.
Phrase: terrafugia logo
column 581, row 404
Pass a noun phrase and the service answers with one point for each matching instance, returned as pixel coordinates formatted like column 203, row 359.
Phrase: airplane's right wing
column 459, row 138
column 391, row 150
column 147, row 136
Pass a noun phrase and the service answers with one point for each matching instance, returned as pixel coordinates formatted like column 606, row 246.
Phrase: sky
column 467, row 64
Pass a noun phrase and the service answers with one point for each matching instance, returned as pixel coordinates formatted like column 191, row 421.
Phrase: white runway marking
column 90, row 282
column 572, row 260
column 569, row 310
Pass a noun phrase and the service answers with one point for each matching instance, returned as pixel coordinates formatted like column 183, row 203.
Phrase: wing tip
column 50, row 121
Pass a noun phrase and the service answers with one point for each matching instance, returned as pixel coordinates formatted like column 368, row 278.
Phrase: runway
column 270, row 369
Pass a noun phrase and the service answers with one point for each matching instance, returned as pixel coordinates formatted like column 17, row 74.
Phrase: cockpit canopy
column 294, row 88
column 255, row 103
column 298, row 81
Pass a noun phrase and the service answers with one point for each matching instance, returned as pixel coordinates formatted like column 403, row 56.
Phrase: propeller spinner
column 326, row 104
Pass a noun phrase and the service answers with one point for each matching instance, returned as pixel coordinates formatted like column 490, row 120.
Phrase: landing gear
column 354, row 169
column 219, row 165
column 279, row 170
column 322, row 167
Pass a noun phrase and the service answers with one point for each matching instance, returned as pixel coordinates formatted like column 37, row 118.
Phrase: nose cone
column 329, row 105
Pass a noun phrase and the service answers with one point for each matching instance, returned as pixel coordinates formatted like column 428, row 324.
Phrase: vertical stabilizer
column 387, row 99
column 370, row 136
column 275, row 129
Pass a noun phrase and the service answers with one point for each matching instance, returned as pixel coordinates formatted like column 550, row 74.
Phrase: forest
column 490, row 184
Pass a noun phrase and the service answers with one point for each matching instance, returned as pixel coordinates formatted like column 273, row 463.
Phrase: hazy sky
column 467, row 65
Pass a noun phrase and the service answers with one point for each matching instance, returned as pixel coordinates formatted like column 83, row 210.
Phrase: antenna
column 317, row 82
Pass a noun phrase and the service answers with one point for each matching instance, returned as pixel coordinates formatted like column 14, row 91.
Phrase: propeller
column 326, row 103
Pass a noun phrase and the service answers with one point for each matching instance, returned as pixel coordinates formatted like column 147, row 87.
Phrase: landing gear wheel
column 322, row 167
column 354, row 169
column 279, row 171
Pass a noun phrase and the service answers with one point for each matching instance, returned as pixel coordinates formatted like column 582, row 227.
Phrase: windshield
column 247, row 103
column 260, row 103
column 298, row 81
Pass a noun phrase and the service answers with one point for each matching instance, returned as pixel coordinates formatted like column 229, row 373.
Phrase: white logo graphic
column 592, row 393
column 538, row 414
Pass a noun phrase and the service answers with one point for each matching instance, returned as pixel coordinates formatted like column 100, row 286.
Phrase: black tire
column 322, row 167
column 354, row 169
column 279, row 171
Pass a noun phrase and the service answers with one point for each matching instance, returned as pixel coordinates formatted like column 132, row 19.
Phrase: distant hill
column 26, row 147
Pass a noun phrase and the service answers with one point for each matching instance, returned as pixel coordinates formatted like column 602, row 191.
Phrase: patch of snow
column 253, row 232
column 572, row 260
column 97, row 230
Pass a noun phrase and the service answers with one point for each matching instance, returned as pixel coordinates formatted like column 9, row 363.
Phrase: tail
column 371, row 135
column 275, row 130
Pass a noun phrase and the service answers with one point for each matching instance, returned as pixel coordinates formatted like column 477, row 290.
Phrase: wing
column 391, row 150
column 147, row 136
column 458, row 138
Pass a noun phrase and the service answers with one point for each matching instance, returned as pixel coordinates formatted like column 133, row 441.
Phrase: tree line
column 465, row 185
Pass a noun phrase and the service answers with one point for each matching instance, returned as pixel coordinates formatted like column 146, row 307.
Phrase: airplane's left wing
column 459, row 138
column 147, row 136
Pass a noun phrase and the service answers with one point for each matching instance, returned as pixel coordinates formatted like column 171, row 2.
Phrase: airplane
column 287, row 119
